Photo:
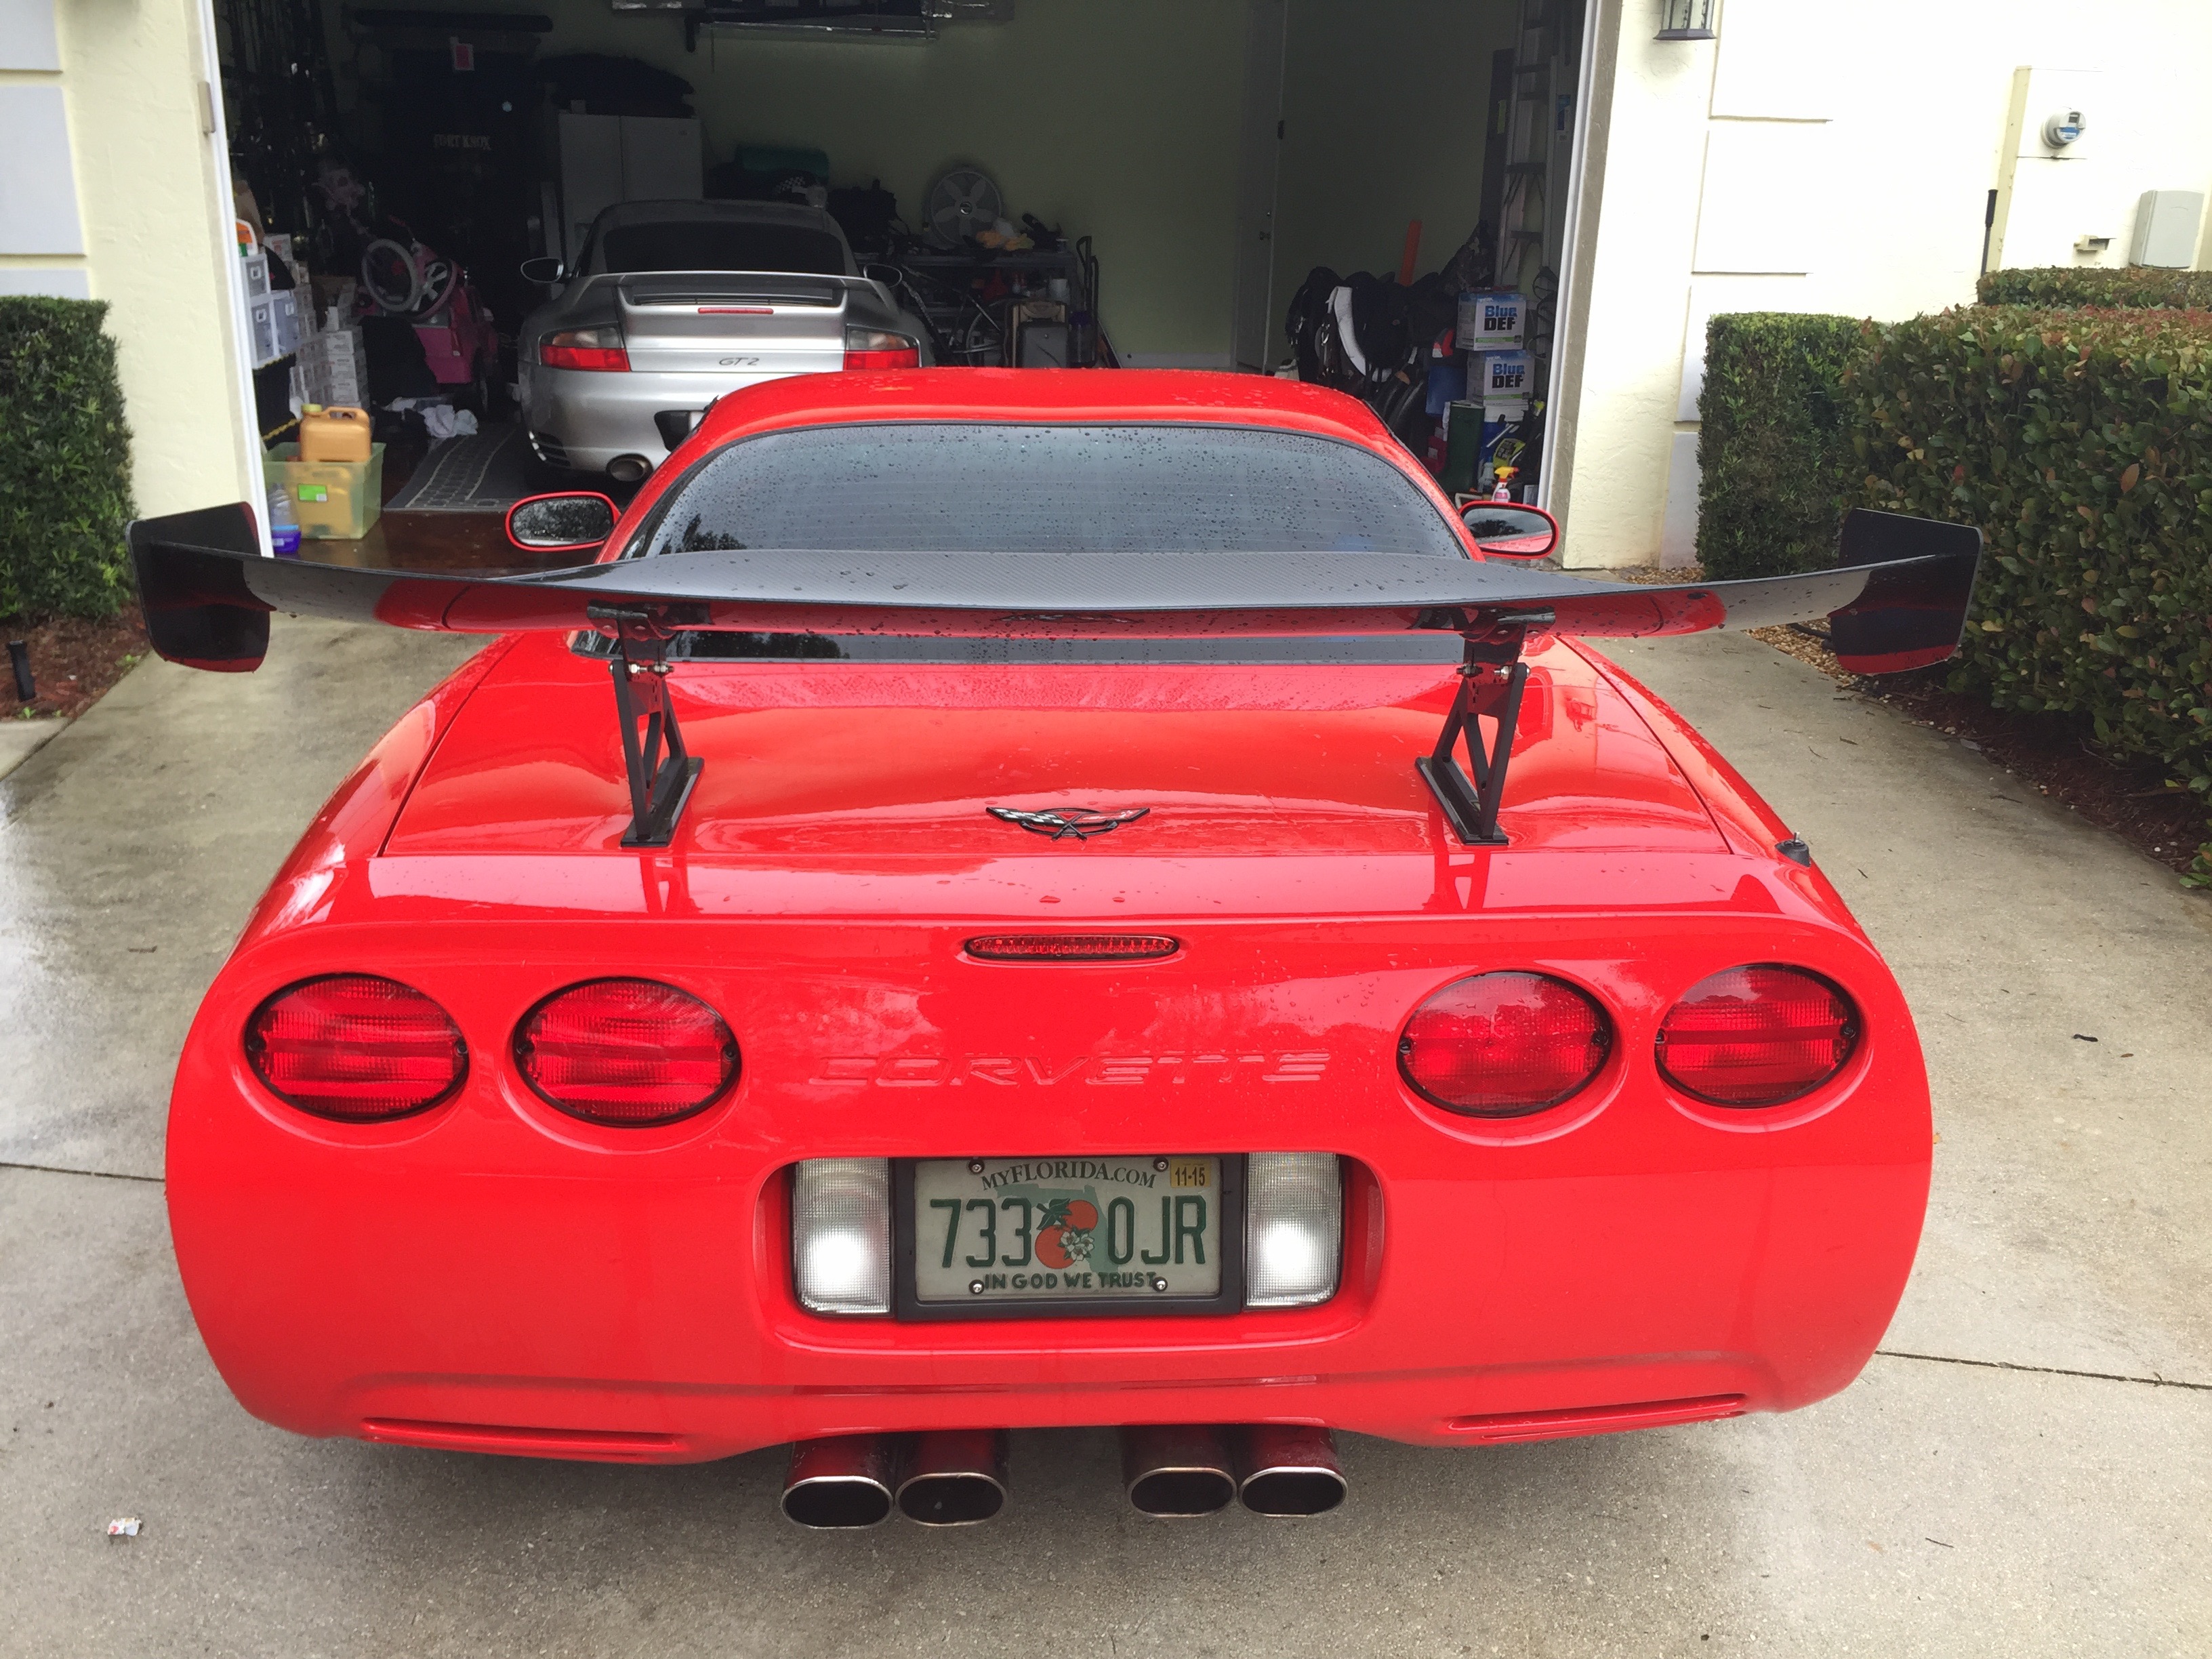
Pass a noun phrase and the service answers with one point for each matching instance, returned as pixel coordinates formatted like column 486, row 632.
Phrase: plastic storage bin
column 336, row 500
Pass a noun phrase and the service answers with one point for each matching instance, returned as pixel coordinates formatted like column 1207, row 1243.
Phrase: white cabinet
column 606, row 159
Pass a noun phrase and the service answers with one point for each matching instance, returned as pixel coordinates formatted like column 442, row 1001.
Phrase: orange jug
column 334, row 434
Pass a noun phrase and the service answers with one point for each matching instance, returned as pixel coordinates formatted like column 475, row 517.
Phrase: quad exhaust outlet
column 842, row 1483
column 957, row 1477
column 1288, row 1468
column 1177, row 1472
column 954, row 1477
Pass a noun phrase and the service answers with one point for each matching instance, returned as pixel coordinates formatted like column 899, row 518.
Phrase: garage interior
column 1370, row 196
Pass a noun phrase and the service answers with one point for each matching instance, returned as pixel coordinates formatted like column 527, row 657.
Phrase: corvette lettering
column 1046, row 1072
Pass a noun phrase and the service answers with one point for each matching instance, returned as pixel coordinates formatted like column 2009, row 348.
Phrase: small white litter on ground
column 126, row 1527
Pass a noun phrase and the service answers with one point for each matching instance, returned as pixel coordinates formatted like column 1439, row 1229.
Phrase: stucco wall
column 1817, row 159
column 154, row 214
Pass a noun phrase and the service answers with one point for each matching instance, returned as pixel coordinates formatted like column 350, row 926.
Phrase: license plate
column 1065, row 1235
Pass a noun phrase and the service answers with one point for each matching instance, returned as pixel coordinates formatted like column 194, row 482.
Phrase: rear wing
column 1899, row 601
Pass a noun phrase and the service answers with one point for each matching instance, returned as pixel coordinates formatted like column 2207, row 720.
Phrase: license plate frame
column 908, row 1305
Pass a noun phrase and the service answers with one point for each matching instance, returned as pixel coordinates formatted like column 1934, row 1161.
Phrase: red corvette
column 1092, row 900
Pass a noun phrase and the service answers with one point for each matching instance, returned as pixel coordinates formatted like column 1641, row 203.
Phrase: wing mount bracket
column 1492, row 676
column 660, row 771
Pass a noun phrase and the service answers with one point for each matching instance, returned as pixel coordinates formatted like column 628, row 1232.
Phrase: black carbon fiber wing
column 208, row 593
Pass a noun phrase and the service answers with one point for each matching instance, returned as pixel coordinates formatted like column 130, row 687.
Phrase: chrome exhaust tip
column 1288, row 1468
column 628, row 469
column 842, row 1483
column 1177, row 1471
column 954, row 1477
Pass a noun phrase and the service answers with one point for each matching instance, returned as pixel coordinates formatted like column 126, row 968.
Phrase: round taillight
column 626, row 1052
column 1497, row 1045
column 1757, row 1035
column 356, row 1047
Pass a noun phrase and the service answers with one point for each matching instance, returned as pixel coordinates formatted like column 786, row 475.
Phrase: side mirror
column 1509, row 529
column 543, row 268
column 578, row 522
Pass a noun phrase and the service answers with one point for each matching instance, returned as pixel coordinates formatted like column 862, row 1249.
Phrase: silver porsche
column 673, row 304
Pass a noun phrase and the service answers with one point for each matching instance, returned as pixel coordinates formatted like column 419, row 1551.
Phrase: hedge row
column 65, row 467
column 2066, row 287
column 2080, row 442
column 1772, row 454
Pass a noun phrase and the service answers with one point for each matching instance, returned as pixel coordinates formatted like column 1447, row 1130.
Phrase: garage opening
column 491, row 252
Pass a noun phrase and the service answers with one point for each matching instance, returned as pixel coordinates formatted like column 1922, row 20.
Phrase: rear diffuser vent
column 1073, row 947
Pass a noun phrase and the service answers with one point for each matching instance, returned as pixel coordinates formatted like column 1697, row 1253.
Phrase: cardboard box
column 1490, row 320
column 334, row 367
column 284, row 318
column 261, row 325
column 1502, row 383
column 335, row 501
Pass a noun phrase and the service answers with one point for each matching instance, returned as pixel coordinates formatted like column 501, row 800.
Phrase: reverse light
column 356, row 1047
column 840, row 1235
column 626, row 1052
column 599, row 348
column 1293, row 1228
column 1757, row 1035
column 1497, row 1045
column 877, row 348
column 1072, row 947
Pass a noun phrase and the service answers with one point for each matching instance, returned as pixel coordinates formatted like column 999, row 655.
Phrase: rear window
column 929, row 488
column 705, row 245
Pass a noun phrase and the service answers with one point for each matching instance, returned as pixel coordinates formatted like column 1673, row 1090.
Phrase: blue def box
column 1501, row 383
column 1490, row 320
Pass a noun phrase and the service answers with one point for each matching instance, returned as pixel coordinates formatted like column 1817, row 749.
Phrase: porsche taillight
column 600, row 349
column 627, row 1052
column 878, row 347
column 1497, row 1045
column 1757, row 1035
column 356, row 1047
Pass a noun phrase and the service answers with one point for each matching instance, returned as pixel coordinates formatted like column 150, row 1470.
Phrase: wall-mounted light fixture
column 1688, row 20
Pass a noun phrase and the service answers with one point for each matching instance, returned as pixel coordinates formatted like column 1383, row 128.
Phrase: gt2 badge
column 1080, row 821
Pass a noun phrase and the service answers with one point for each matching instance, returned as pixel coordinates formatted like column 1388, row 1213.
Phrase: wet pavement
column 2026, row 1470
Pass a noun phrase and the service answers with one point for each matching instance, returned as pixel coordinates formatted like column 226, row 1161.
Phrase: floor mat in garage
column 486, row 473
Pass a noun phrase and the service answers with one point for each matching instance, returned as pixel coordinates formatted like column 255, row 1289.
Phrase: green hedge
column 65, row 466
column 2080, row 442
column 2063, row 288
column 1771, row 449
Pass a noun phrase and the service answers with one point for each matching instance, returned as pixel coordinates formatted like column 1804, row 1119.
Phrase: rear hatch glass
column 709, row 245
column 930, row 487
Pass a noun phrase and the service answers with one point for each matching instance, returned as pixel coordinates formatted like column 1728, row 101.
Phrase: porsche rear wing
column 1897, row 601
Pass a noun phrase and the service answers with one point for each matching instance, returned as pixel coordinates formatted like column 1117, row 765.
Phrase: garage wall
column 1816, row 159
column 1384, row 110
column 1117, row 120
column 103, row 114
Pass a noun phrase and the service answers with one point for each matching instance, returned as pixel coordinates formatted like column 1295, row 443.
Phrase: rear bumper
column 495, row 1275
column 584, row 420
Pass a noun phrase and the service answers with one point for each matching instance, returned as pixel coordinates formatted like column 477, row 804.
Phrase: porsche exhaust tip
column 628, row 469
column 842, row 1483
column 954, row 1477
column 1288, row 1468
column 1177, row 1472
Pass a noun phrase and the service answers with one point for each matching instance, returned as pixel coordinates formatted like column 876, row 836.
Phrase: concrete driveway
column 2026, row 1470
